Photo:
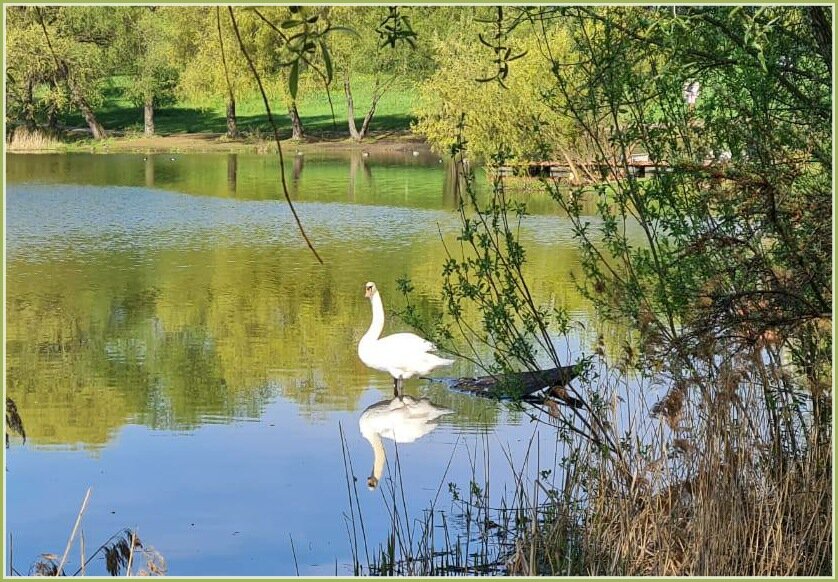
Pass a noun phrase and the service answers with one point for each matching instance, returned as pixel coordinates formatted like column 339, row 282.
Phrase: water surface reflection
column 171, row 342
column 401, row 419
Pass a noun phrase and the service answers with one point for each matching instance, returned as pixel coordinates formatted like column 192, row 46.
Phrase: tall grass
column 707, row 496
column 120, row 552
column 697, row 490
column 22, row 139
column 470, row 538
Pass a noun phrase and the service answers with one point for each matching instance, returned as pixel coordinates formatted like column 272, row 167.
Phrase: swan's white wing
column 404, row 355
column 406, row 343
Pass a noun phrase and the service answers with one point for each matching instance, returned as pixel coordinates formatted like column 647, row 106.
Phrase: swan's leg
column 395, row 387
column 400, row 390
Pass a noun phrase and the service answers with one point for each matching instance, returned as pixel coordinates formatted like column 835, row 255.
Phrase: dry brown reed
column 711, row 482
column 713, row 524
column 14, row 423
column 720, row 492
column 120, row 552
column 22, row 139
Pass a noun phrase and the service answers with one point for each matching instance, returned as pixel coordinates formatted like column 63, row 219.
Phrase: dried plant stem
column 533, row 533
column 349, row 472
column 294, row 553
column 131, row 554
column 81, row 551
column 73, row 533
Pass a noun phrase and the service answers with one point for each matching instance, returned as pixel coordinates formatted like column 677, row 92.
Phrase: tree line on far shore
column 63, row 59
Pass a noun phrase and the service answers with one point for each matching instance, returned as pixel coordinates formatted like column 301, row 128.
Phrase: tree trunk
column 86, row 111
column 367, row 118
column 821, row 26
column 148, row 115
column 90, row 118
column 350, row 109
column 522, row 385
column 296, row 123
column 62, row 71
column 232, row 126
column 377, row 92
column 52, row 112
column 376, row 97
column 29, row 104
column 52, row 119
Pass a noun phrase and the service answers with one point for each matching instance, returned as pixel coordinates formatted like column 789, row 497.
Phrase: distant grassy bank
column 378, row 142
column 200, row 126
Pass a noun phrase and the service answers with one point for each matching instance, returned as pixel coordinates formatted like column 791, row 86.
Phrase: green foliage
column 395, row 29
column 511, row 116
column 736, row 260
column 141, row 55
column 203, row 79
column 43, row 65
column 145, row 50
column 729, row 285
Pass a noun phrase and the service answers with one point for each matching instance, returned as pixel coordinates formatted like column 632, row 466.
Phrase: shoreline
column 391, row 141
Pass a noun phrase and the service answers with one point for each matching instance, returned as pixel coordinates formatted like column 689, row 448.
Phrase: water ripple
column 45, row 220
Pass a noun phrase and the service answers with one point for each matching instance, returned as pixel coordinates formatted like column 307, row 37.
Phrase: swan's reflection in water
column 402, row 420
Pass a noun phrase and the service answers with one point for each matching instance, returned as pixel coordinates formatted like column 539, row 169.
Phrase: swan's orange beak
column 372, row 483
column 368, row 290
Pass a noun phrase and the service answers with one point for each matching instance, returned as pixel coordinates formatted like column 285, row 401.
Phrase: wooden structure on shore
column 638, row 165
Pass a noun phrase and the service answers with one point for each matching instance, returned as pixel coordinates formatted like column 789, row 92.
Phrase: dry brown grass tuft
column 14, row 424
column 31, row 140
column 671, row 405
column 724, row 502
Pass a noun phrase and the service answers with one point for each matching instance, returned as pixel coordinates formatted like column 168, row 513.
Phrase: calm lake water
column 173, row 345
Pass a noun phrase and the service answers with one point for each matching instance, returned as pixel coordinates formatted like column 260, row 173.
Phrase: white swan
column 402, row 355
column 403, row 420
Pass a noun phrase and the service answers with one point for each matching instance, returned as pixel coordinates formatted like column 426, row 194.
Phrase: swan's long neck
column 377, row 325
column 378, row 456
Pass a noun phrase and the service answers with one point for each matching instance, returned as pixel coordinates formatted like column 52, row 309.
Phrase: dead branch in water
column 522, row 385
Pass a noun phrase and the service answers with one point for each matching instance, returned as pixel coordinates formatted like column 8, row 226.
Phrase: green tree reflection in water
column 175, row 325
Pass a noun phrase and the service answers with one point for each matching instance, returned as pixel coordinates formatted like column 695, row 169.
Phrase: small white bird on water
column 402, row 355
column 402, row 420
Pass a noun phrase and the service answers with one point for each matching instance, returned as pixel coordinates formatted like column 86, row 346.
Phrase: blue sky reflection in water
column 178, row 350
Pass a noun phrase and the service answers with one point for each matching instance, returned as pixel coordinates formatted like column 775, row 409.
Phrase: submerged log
column 522, row 385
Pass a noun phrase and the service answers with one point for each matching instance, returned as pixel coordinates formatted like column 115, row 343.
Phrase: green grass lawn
column 394, row 112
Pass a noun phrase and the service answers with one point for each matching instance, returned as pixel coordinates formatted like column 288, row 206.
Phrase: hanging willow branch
column 275, row 131
column 327, row 59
